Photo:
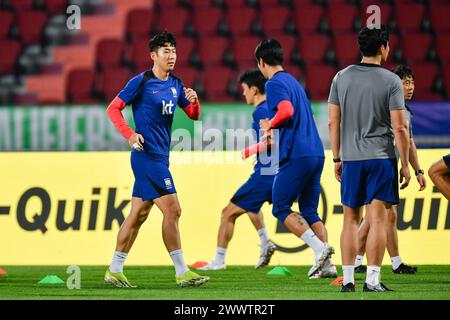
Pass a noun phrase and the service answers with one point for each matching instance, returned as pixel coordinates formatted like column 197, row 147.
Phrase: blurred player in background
column 439, row 173
column 301, row 154
column 398, row 266
column 366, row 113
column 154, row 96
column 258, row 189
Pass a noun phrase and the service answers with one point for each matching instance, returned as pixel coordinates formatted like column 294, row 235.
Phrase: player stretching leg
column 301, row 153
column 154, row 96
column 366, row 113
column 398, row 266
column 439, row 173
column 258, row 189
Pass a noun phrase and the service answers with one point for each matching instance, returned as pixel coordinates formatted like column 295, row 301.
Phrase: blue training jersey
column 298, row 137
column 154, row 105
column 261, row 112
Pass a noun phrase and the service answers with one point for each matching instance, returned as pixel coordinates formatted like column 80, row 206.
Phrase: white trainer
column 213, row 266
column 266, row 254
column 318, row 265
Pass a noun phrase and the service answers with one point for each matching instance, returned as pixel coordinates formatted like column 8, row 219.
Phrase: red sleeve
column 114, row 112
column 193, row 110
column 285, row 111
column 256, row 148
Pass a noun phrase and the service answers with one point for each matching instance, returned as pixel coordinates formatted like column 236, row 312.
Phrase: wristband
column 336, row 160
column 419, row 171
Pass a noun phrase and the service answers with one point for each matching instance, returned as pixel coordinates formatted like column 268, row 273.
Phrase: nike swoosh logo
column 155, row 91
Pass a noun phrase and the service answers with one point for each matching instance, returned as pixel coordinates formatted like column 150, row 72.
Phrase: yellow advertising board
column 66, row 209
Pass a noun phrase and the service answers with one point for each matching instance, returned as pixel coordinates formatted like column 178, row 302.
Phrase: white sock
column 178, row 262
column 220, row 255
column 313, row 241
column 396, row 262
column 263, row 236
column 117, row 261
column 349, row 274
column 358, row 261
column 373, row 275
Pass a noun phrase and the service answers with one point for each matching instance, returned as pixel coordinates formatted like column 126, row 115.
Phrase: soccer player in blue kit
column 154, row 95
column 301, row 154
column 258, row 189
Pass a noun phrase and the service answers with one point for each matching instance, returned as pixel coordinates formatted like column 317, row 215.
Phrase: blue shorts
column 252, row 194
column 152, row 176
column 447, row 160
column 298, row 179
column 363, row 181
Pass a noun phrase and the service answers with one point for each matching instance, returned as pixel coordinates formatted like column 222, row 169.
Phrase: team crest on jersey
column 168, row 183
column 174, row 92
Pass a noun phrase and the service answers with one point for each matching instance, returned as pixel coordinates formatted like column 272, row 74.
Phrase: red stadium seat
column 55, row 6
column 443, row 47
column 185, row 46
column 139, row 55
column 206, row 20
column 30, row 25
column 167, row 4
column 318, row 81
column 439, row 14
column 235, row 4
column 240, row 21
column 313, row 48
column 346, row 49
column 244, row 49
column 307, row 18
column 6, row 22
column 288, row 43
column 187, row 75
column 215, row 83
column 166, row 20
column 212, row 49
column 80, row 84
column 112, row 81
column 425, row 74
column 415, row 47
column 273, row 19
column 408, row 17
column 21, row 5
column 341, row 18
column 139, row 23
column 299, row 3
column 109, row 53
column 200, row 4
column 9, row 52
column 446, row 78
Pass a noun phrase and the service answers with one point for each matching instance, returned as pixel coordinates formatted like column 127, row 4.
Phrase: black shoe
column 405, row 269
column 349, row 287
column 378, row 288
column 361, row 269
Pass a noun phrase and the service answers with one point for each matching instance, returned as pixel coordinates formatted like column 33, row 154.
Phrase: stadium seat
column 346, row 49
column 446, row 78
column 425, row 74
column 443, row 47
column 318, row 81
column 200, row 4
column 185, row 46
column 187, row 74
column 240, row 21
column 30, row 25
column 313, row 48
column 206, row 20
column 307, row 18
column 212, row 49
column 111, row 82
column 9, row 51
column 21, row 5
column 55, row 6
column 439, row 14
column 299, row 3
column 138, row 24
column 243, row 49
column 408, row 17
column 341, row 18
column 235, row 4
column 166, row 20
column 6, row 22
column 166, row 4
column 109, row 53
column 138, row 54
column 80, row 84
column 288, row 44
column 215, row 83
column 415, row 47
column 274, row 19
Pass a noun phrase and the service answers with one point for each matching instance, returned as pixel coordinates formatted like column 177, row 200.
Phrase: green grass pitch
column 432, row 282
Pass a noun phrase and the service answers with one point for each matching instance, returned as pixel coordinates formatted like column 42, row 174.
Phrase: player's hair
column 403, row 71
column 160, row 39
column 370, row 39
column 254, row 78
column 270, row 51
